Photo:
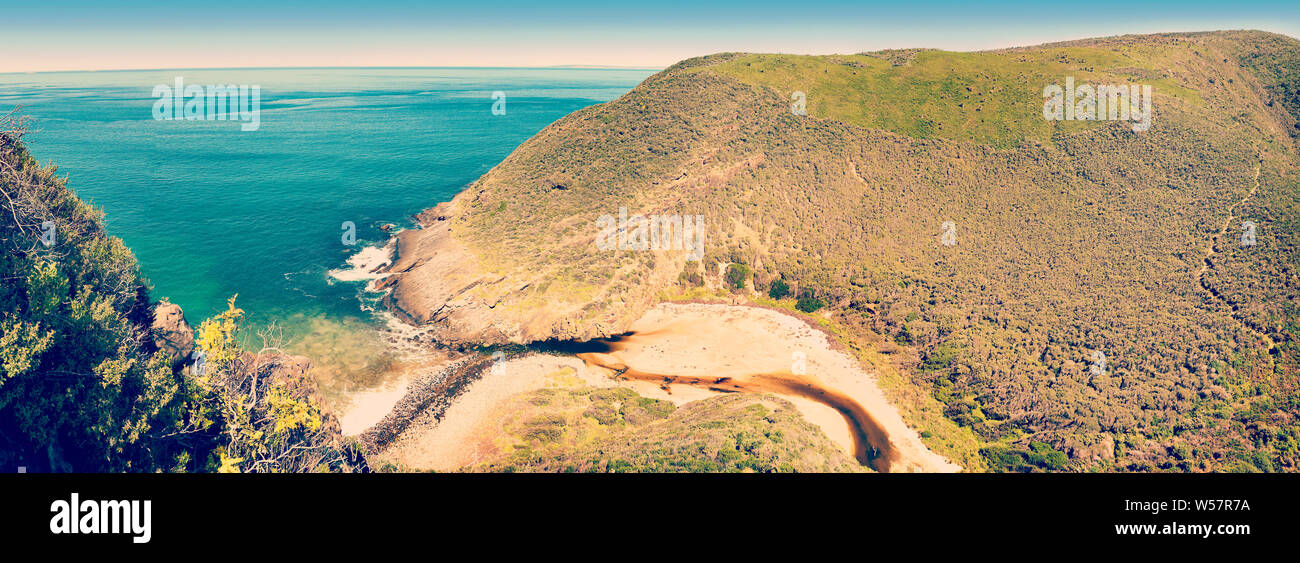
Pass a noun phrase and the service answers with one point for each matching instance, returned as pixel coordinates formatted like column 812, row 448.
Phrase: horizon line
column 651, row 67
column 330, row 67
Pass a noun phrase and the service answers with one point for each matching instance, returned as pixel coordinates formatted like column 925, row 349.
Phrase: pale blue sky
column 96, row 35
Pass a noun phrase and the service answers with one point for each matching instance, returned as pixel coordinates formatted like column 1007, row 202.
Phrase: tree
column 270, row 419
column 80, row 386
column 779, row 289
column 83, row 386
column 809, row 302
column 737, row 275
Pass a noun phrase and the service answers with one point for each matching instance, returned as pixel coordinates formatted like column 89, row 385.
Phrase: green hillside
column 1072, row 237
column 977, row 97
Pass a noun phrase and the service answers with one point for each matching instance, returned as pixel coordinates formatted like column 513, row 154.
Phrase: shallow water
column 212, row 211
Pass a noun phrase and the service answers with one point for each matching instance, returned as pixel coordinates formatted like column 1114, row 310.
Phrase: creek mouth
column 871, row 444
column 434, row 393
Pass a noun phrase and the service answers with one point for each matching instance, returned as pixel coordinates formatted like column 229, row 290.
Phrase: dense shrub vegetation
column 1073, row 238
column 738, row 276
column 83, row 385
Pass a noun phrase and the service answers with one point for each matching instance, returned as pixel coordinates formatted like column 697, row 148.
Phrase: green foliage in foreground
column 79, row 382
column 83, row 386
column 269, row 414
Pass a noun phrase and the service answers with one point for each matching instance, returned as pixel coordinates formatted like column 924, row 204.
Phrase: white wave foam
column 365, row 264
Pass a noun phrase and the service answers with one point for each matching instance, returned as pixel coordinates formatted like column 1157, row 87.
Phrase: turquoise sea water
column 211, row 211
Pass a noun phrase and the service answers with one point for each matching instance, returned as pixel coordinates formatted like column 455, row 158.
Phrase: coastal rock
column 170, row 331
column 436, row 280
column 514, row 257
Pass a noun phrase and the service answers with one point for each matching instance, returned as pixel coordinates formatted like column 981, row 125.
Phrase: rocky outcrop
column 1098, row 448
column 170, row 331
column 514, row 258
column 436, row 280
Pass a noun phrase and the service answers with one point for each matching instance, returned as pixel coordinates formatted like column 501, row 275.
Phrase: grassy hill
column 1072, row 237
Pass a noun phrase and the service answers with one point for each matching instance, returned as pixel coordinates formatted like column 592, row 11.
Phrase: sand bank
column 705, row 349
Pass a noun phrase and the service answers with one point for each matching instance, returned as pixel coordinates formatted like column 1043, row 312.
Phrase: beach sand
column 689, row 340
column 709, row 340
column 467, row 432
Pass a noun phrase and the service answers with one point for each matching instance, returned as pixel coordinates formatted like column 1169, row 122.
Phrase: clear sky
column 41, row 35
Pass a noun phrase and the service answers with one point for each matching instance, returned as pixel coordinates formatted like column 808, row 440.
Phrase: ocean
column 211, row 210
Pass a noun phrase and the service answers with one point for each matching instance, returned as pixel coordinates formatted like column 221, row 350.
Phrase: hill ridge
column 1071, row 236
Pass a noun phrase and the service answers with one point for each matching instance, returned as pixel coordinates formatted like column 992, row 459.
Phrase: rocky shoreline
column 431, row 394
column 436, row 281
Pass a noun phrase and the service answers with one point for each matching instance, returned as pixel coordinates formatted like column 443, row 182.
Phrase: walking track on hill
column 1211, row 250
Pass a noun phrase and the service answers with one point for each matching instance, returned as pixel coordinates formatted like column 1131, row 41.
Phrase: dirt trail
column 1211, row 250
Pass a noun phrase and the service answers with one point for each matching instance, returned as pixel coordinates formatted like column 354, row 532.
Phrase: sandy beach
column 467, row 431
column 728, row 343
column 738, row 342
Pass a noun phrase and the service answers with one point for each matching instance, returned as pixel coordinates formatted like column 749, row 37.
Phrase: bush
column 941, row 358
column 779, row 289
column 1047, row 457
column 77, row 372
column 808, row 302
column 1003, row 459
column 1040, row 456
column 737, row 275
